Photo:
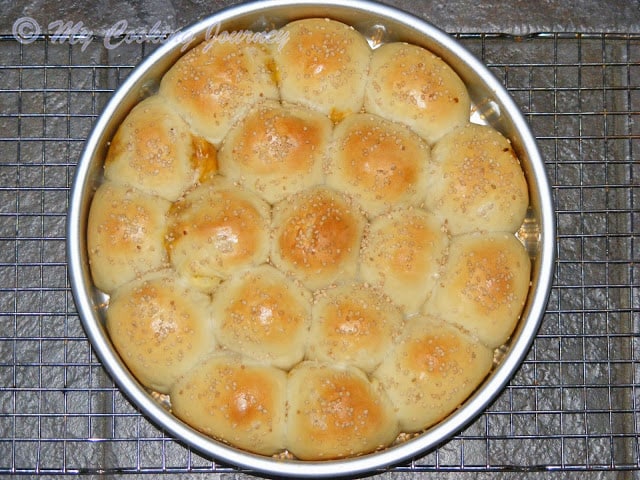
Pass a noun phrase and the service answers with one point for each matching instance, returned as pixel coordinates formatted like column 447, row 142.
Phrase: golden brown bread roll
column 277, row 150
column 323, row 66
column 236, row 400
column 431, row 371
column 215, row 230
column 125, row 234
column 154, row 151
column 484, row 285
column 263, row 314
column 160, row 327
column 336, row 412
column 353, row 324
column 214, row 84
column 317, row 235
column 411, row 85
column 402, row 253
column 380, row 163
column 476, row 182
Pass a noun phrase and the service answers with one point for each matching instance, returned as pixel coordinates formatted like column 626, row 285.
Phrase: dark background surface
column 572, row 408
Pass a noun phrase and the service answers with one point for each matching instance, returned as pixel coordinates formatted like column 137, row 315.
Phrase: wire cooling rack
column 573, row 405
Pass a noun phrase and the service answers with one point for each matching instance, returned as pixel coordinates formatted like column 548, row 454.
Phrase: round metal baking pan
column 379, row 23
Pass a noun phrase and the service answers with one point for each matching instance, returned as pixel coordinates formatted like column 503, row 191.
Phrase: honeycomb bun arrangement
column 308, row 248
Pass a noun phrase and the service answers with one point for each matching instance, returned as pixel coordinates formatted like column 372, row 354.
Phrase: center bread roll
column 402, row 253
column 317, row 236
column 215, row 230
column 336, row 412
column 354, row 324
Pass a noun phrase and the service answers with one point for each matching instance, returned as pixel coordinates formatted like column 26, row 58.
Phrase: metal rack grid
column 573, row 405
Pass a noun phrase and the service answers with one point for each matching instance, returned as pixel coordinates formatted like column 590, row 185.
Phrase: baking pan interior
column 380, row 24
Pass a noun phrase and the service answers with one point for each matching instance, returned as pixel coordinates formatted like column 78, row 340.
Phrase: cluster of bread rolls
column 309, row 248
